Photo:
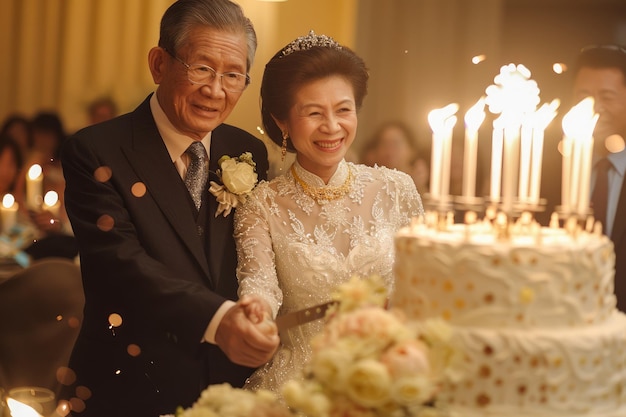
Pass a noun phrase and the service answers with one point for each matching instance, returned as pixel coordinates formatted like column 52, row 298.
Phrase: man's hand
column 247, row 334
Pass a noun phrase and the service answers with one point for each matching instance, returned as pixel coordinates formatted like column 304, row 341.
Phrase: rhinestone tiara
column 309, row 41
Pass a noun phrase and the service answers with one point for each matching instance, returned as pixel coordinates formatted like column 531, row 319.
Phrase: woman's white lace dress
column 294, row 252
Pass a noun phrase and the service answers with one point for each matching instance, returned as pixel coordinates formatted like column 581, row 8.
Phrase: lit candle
column 511, row 163
column 473, row 119
column 542, row 118
column 578, row 125
column 51, row 202
column 8, row 212
column 442, row 123
column 496, row 159
column 34, row 187
column 525, row 159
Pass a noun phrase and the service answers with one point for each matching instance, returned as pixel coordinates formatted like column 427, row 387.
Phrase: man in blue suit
column 162, row 320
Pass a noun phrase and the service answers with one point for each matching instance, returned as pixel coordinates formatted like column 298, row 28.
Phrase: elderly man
column 161, row 317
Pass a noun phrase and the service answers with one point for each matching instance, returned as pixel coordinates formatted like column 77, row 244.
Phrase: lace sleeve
column 256, row 271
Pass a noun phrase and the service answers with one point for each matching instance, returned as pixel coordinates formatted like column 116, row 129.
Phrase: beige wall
column 61, row 54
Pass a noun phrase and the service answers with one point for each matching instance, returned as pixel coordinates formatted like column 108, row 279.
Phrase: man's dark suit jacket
column 143, row 260
column 618, row 236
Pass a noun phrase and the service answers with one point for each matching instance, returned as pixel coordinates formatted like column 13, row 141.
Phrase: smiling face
column 608, row 89
column 322, row 124
column 196, row 109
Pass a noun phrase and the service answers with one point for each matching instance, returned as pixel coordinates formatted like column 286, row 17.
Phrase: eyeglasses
column 203, row 74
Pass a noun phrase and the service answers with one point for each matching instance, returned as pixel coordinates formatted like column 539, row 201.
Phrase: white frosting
column 533, row 316
column 568, row 372
column 547, row 280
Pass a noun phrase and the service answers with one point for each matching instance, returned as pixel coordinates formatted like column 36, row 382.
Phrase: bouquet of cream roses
column 368, row 362
column 226, row 401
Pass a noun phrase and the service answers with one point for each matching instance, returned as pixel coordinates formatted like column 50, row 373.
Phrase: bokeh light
column 478, row 59
column 83, row 392
column 614, row 143
column 138, row 189
column 105, row 223
column 115, row 320
column 559, row 67
column 65, row 375
column 133, row 350
column 103, row 174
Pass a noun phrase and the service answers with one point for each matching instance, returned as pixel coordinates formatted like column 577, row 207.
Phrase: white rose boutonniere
column 238, row 176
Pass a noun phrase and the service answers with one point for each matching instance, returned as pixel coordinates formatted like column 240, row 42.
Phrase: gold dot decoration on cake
column 489, row 298
column 483, row 400
column 488, row 350
column 521, row 389
column 459, row 303
column 448, row 286
column 496, row 261
column 527, row 295
column 484, row 371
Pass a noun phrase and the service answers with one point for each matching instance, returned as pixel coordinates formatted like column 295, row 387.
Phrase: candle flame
column 580, row 121
column 19, row 409
column 443, row 118
column 546, row 113
column 34, row 172
column 8, row 200
column 475, row 116
column 513, row 93
column 51, row 198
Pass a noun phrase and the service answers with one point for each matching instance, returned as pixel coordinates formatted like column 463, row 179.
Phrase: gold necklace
column 324, row 193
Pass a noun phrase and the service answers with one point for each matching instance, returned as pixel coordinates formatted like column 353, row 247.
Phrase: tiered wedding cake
column 533, row 312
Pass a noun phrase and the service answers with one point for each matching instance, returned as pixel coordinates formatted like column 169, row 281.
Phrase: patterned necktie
column 197, row 172
column 601, row 191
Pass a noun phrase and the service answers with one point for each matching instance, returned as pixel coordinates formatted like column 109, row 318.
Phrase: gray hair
column 182, row 16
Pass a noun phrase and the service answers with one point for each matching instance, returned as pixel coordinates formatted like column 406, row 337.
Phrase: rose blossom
column 238, row 177
column 408, row 357
column 329, row 367
column 368, row 383
column 412, row 390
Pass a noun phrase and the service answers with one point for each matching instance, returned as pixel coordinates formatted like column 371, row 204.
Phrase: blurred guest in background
column 600, row 73
column 10, row 164
column 393, row 145
column 101, row 109
column 19, row 128
column 48, row 135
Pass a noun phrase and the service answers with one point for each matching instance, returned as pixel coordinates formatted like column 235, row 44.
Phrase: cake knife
column 306, row 315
